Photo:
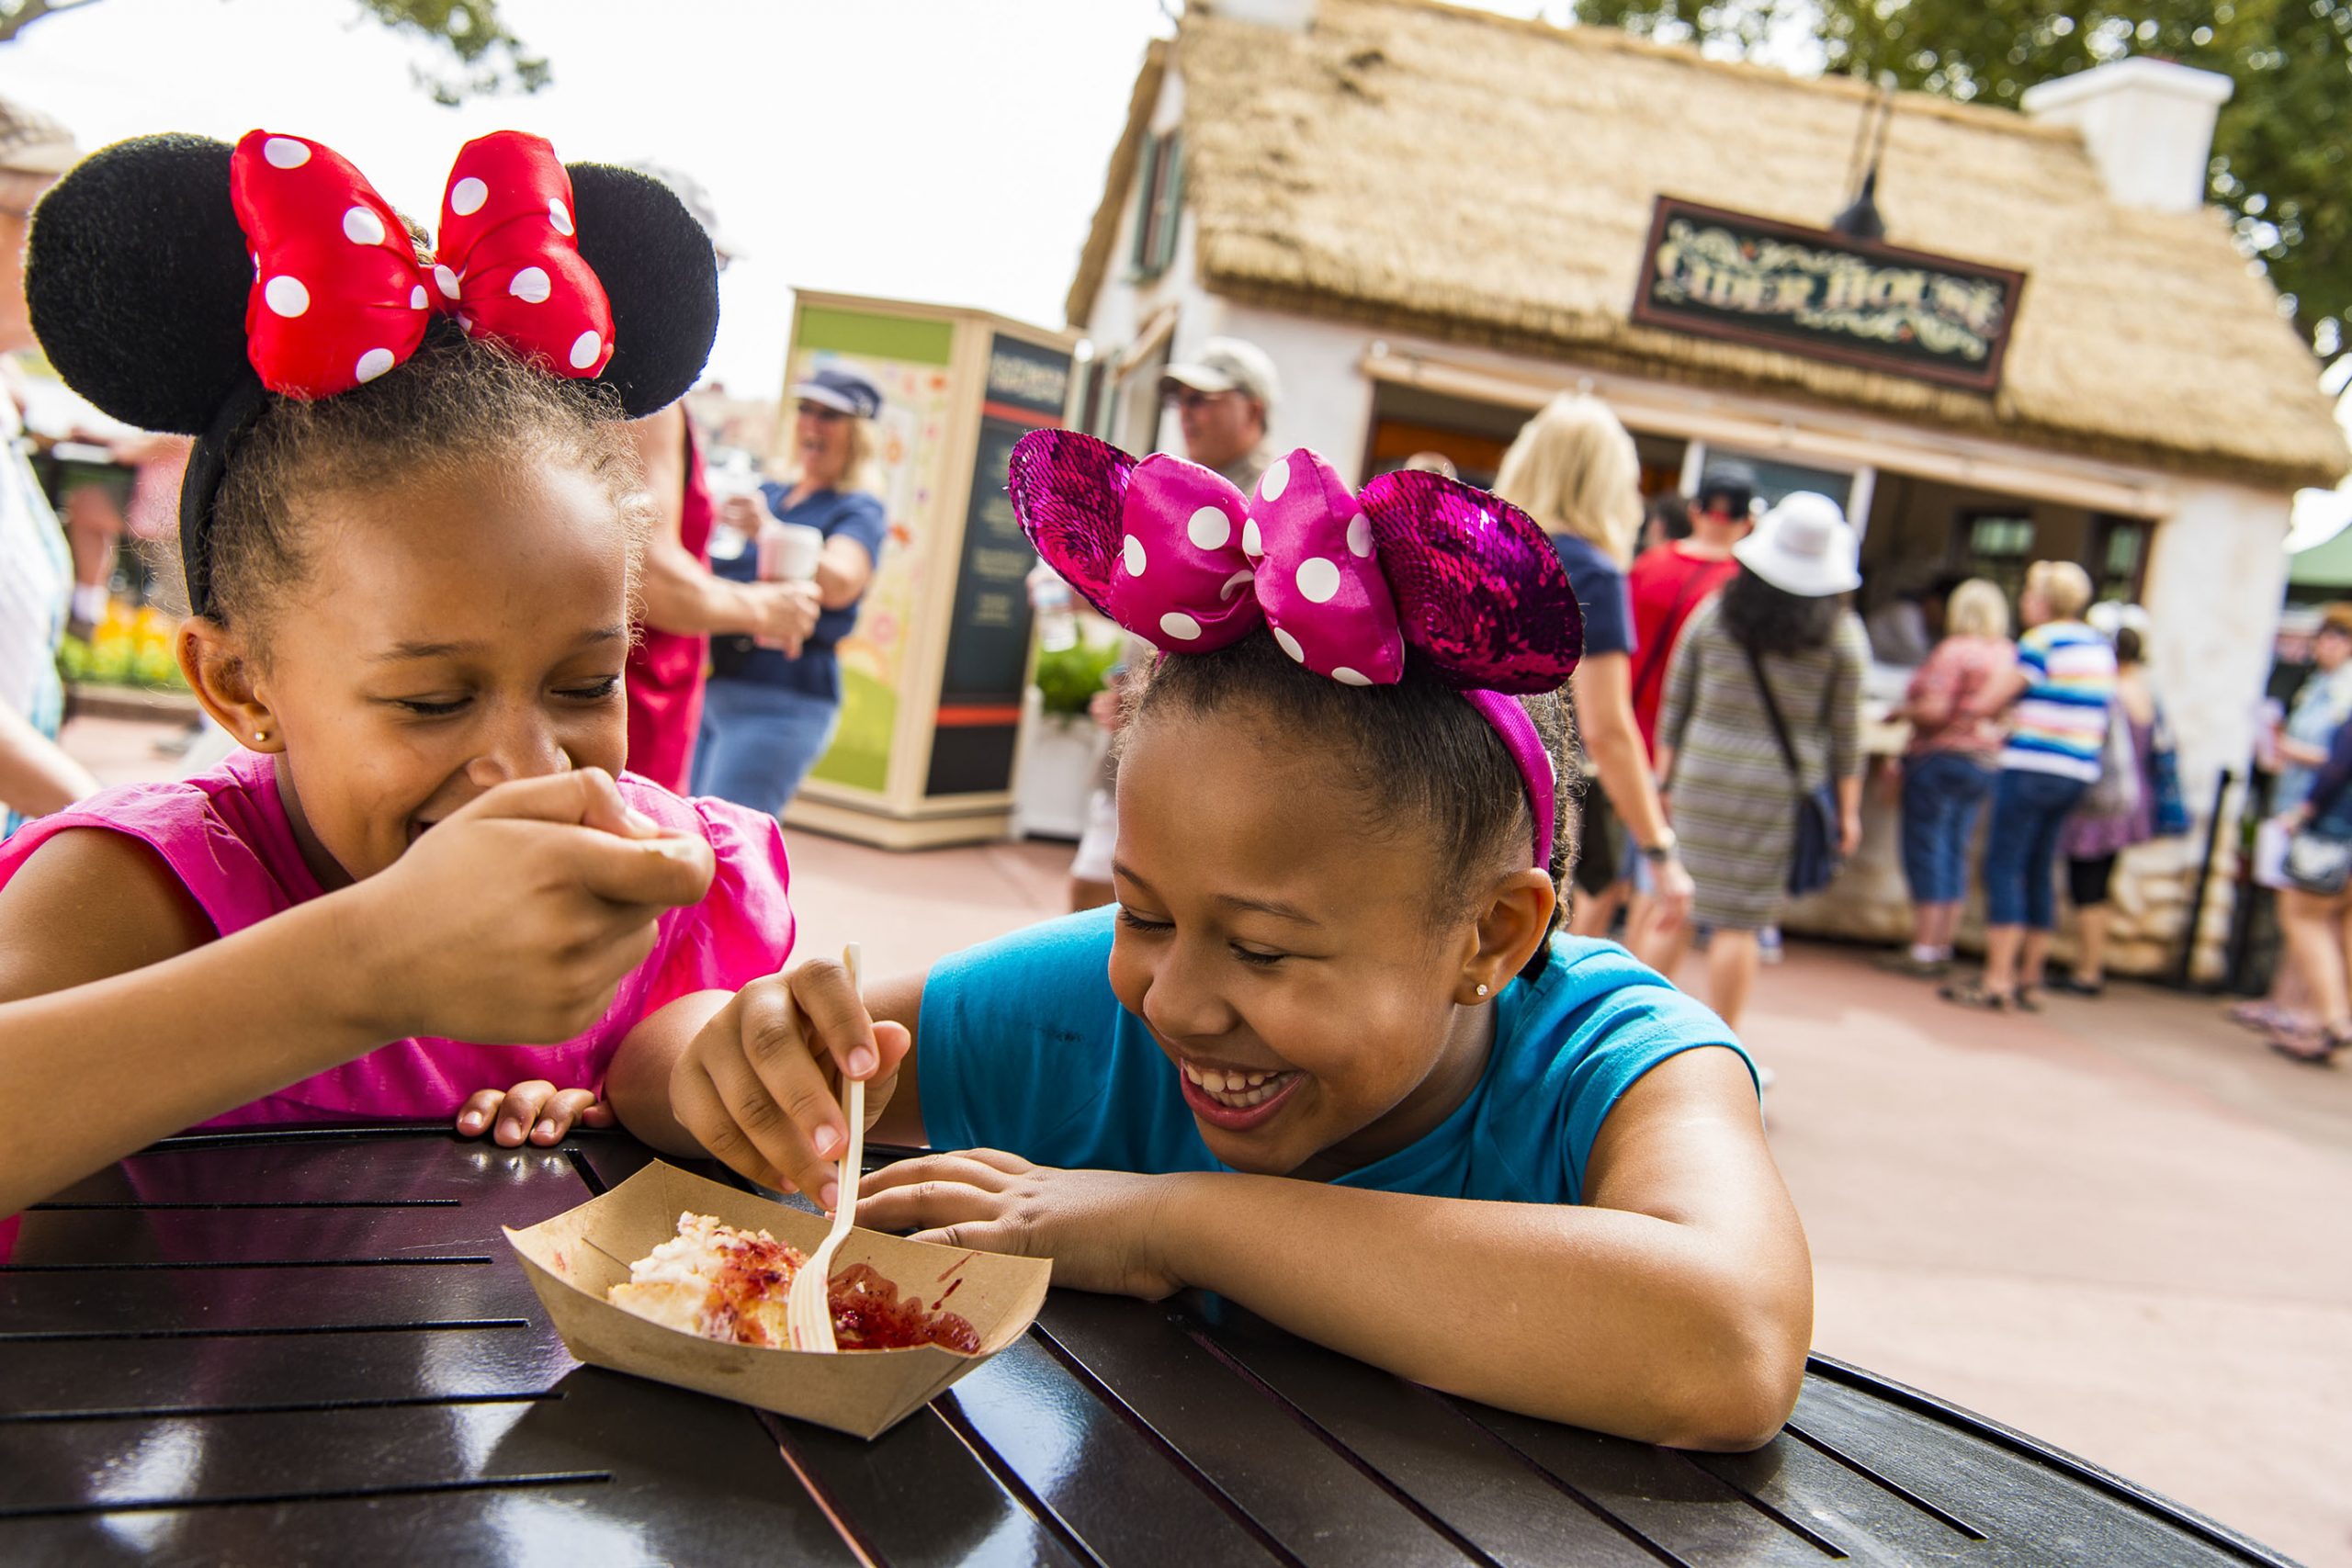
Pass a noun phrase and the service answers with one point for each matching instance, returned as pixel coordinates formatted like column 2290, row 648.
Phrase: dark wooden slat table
column 297, row 1346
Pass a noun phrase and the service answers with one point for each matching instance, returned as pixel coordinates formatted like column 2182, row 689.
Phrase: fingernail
column 510, row 1130
column 546, row 1128
column 640, row 821
column 471, row 1122
column 827, row 1142
column 675, row 846
column 862, row 1061
column 830, row 1196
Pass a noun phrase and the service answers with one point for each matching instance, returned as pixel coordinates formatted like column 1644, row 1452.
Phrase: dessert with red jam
column 732, row 1285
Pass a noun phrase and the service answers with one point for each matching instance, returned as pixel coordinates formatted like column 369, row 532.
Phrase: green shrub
column 1068, row 678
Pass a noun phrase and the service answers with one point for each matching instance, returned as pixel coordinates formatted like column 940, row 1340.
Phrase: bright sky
column 941, row 150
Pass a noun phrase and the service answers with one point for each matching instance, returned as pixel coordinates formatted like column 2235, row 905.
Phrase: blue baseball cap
column 841, row 389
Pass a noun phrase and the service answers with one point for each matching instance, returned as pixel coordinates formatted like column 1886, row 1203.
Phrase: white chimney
column 1291, row 16
column 2147, row 123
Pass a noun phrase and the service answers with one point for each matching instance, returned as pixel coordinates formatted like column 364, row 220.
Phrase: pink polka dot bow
column 1347, row 583
column 339, row 296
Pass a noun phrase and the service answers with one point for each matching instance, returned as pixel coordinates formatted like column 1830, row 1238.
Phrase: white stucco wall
column 2217, row 575
column 1122, row 304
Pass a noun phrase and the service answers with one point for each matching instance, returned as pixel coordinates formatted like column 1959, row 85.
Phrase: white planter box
column 1059, row 758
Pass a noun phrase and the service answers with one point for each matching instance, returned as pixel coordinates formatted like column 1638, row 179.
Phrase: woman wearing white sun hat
column 1719, row 754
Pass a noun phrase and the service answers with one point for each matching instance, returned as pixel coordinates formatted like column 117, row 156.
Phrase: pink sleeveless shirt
column 225, row 835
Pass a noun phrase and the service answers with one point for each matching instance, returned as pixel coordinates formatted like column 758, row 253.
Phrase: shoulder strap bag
column 1814, row 861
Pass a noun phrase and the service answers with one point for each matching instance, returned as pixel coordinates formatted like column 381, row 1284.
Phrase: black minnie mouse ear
column 137, row 273
column 661, row 275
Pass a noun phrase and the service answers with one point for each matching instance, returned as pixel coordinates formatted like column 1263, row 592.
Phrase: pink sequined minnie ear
column 1069, row 492
column 1479, row 588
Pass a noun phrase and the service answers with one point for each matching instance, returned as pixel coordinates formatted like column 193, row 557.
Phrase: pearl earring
column 261, row 736
column 1482, row 987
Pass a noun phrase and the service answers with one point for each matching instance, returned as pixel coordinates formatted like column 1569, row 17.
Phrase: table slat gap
column 1183, row 1466
column 1887, row 1484
column 289, row 1408
column 1781, row 1517
column 859, row 1547
column 462, row 1260
column 72, row 1336
column 340, row 1494
column 951, row 1416
column 596, row 1184
column 1562, row 1485
column 1404, row 1499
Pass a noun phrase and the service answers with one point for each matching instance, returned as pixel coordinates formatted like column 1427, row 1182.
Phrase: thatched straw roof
column 1409, row 164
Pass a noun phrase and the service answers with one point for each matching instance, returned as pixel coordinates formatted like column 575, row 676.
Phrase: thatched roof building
column 1416, row 167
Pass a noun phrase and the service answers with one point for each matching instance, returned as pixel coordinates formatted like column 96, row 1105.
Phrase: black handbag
column 1814, row 859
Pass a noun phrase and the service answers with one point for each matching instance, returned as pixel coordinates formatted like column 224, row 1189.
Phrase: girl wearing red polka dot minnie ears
column 1328, row 1056
column 411, row 526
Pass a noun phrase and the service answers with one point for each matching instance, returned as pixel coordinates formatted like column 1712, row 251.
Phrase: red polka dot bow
column 339, row 296
column 1345, row 582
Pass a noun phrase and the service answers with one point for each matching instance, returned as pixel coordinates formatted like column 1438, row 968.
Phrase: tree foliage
column 2282, row 150
column 490, row 59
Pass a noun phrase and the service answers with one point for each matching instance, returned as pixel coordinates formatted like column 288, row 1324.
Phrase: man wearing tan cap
column 1225, row 399
column 35, row 569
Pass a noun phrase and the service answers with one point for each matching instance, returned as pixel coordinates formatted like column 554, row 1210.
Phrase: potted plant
column 1062, row 746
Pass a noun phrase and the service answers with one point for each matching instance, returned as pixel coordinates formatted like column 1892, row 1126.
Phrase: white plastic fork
column 808, row 1311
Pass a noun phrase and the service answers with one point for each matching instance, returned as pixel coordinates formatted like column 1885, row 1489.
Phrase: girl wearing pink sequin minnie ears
column 1328, row 1056
column 409, row 526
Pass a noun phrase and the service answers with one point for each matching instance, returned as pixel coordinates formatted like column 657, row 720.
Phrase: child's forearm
column 1607, row 1319
column 636, row 1085
column 93, row 1072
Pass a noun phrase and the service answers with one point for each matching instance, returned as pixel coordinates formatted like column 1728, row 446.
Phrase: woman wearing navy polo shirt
column 768, row 714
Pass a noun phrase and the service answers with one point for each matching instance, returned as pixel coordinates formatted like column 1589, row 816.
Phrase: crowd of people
column 1718, row 701
column 2304, row 854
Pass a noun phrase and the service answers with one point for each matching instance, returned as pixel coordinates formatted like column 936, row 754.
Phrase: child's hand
column 759, row 1087
column 535, row 1109
column 517, row 918
column 1103, row 1229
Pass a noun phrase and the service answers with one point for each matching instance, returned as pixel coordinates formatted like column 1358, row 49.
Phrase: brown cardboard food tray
column 575, row 1258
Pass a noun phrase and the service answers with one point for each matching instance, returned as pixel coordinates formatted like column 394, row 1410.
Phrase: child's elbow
column 1754, row 1372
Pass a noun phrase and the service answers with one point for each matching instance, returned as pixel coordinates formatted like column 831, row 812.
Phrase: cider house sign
column 1825, row 294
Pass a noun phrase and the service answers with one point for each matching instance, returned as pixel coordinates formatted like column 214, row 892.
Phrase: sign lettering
column 1826, row 296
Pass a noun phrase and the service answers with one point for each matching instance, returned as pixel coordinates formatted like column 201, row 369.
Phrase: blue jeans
column 758, row 741
column 2021, row 847
column 1942, row 792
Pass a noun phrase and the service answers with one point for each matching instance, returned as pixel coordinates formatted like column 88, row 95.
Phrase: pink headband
column 1174, row 553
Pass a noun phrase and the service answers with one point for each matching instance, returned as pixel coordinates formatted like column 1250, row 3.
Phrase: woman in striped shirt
column 2061, row 688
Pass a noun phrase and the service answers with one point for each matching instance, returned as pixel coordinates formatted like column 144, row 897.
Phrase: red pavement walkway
column 2121, row 1225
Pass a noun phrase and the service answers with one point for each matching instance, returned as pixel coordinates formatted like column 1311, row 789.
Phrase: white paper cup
column 789, row 552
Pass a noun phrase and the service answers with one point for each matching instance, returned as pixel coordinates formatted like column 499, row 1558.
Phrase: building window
column 2120, row 562
column 1999, row 547
column 1159, row 199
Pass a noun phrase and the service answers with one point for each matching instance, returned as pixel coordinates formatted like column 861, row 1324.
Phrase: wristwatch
column 1661, row 852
